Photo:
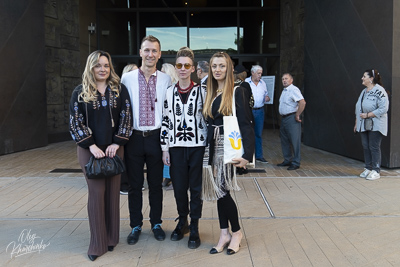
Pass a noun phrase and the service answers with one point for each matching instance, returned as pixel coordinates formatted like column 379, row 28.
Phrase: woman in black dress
column 220, row 93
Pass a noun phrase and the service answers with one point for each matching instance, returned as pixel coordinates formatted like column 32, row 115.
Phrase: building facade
column 45, row 43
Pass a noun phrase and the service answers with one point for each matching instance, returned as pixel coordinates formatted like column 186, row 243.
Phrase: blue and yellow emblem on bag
column 235, row 138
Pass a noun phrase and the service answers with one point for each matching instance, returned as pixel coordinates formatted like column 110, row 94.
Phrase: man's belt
column 146, row 133
column 286, row 115
column 257, row 108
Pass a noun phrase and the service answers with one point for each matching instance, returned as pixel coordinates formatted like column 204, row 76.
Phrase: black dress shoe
column 92, row 257
column 194, row 237
column 158, row 232
column 293, row 167
column 133, row 237
column 284, row 164
column 180, row 230
column 110, row 248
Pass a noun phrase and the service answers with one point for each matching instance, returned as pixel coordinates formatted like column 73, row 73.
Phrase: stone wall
column 63, row 71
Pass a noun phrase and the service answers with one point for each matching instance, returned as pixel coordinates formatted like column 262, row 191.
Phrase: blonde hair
column 169, row 69
column 128, row 68
column 89, row 88
column 212, row 85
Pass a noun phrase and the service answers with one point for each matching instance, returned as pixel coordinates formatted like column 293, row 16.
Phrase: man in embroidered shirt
column 260, row 94
column 291, row 105
column 147, row 87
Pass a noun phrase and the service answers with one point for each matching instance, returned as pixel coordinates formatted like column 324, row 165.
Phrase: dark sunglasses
column 186, row 65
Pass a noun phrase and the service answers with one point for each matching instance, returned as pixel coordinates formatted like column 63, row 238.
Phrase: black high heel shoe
column 110, row 248
column 231, row 251
column 92, row 257
column 214, row 250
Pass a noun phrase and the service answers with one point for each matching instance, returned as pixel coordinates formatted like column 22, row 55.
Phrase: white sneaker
column 374, row 175
column 365, row 173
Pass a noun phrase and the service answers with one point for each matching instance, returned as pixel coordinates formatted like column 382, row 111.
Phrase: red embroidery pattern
column 147, row 99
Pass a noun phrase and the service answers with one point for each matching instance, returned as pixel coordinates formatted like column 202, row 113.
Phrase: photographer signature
column 26, row 243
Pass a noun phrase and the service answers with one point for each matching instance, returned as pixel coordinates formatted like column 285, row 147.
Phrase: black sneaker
column 158, row 232
column 133, row 237
column 262, row 160
column 194, row 238
column 123, row 192
column 180, row 230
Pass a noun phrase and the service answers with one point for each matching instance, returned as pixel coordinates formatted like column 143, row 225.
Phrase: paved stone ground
column 319, row 215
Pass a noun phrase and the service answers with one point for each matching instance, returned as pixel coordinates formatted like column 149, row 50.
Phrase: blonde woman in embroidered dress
column 220, row 90
column 100, row 124
column 183, row 141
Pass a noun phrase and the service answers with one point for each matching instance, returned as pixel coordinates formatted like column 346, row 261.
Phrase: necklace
column 185, row 90
column 219, row 91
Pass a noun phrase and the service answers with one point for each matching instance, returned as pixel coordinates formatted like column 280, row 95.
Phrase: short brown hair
column 152, row 39
column 185, row 52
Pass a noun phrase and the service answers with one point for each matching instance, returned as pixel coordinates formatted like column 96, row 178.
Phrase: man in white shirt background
column 260, row 94
column 291, row 105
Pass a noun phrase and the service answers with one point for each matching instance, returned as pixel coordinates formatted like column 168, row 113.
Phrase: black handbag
column 104, row 167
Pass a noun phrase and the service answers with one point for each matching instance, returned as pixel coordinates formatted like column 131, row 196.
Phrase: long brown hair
column 212, row 85
column 89, row 88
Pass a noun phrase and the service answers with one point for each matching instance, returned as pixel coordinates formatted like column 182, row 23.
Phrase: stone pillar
column 62, row 63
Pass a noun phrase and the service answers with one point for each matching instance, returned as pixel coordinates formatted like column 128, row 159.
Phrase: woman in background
column 100, row 124
column 168, row 69
column 373, row 104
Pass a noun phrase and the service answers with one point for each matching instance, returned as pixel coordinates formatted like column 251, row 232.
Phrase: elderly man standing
column 202, row 72
column 147, row 87
column 291, row 105
column 260, row 94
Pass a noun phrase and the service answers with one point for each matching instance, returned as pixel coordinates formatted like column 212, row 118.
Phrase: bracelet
column 367, row 115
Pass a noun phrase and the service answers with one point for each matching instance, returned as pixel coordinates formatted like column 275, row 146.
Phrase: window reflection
column 171, row 38
column 209, row 40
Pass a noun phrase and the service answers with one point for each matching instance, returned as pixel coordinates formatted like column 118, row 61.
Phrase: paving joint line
column 264, row 198
column 215, row 219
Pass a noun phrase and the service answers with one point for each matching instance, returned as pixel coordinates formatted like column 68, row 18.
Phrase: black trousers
column 138, row 151
column 228, row 213
column 186, row 173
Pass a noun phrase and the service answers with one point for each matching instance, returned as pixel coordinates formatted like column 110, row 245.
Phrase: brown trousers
column 103, row 207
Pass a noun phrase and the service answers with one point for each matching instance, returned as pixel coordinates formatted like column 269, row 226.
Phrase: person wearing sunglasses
column 183, row 140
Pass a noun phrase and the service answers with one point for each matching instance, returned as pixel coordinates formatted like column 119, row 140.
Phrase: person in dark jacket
column 101, row 123
column 219, row 99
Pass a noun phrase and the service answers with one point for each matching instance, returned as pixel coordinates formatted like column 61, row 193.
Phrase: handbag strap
column 234, row 102
column 362, row 99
